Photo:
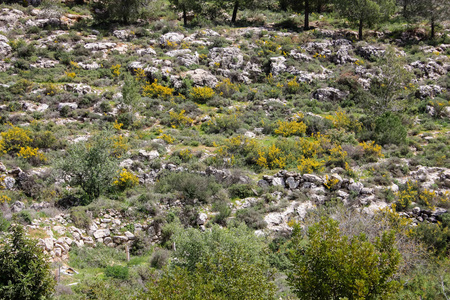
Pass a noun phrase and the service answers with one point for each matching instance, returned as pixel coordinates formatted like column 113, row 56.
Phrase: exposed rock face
column 428, row 91
column 329, row 94
column 173, row 37
column 203, row 78
column 226, row 58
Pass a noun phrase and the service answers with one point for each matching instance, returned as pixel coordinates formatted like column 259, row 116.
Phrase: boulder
column 356, row 187
column 70, row 105
column 172, row 37
column 278, row 181
column 202, row 77
column 17, row 206
column 100, row 46
column 101, row 233
column 153, row 154
column 129, row 235
column 147, row 51
column 329, row 94
column 8, row 183
column 229, row 58
column 5, row 49
column 277, row 65
column 313, row 179
column 202, row 218
column 292, row 183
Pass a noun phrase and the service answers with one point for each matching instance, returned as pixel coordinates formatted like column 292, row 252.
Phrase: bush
column 251, row 217
column 80, row 218
column 118, row 272
column 14, row 139
column 90, row 165
column 25, row 271
column 241, row 191
column 159, row 258
column 329, row 265
column 390, row 130
column 190, row 185
column 201, row 94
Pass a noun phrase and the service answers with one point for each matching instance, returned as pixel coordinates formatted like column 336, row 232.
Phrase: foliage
column 90, row 165
column 14, row 139
column 118, row 272
column 389, row 130
column 289, row 128
column 201, row 94
column 25, row 272
column 365, row 11
column 329, row 265
column 33, row 155
column 124, row 11
column 126, row 180
column 190, row 185
column 156, row 90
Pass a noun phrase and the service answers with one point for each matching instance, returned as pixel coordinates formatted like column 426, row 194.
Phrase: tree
column 434, row 11
column 365, row 12
column 328, row 265
column 216, row 264
column 185, row 6
column 130, row 93
column 25, row 273
column 123, row 11
column 391, row 84
column 90, row 165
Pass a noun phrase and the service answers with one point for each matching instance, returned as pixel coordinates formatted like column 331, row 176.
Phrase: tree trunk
column 360, row 32
column 184, row 16
column 405, row 7
column 306, row 26
column 235, row 10
column 319, row 6
column 433, row 25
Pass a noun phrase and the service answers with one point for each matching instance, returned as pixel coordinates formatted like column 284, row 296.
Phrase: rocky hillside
column 195, row 126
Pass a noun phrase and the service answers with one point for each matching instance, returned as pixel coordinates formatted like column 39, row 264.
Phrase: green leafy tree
column 389, row 130
column 391, row 84
column 329, row 265
column 90, row 165
column 130, row 92
column 216, row 264
column 25, row 273
column 365, row 12
column 123, row 11
column 185, row 6
column 435, row 11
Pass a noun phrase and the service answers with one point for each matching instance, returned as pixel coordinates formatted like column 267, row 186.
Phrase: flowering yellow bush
column 116, row 70
column 140, row 75
column 126, row 179
column 331, row 183
column 167, row 138
column 271, row 158
column 31, row 154
column 155, row 90
column 4, row 199
column 371, row 149
column 286, row 128
column 119, row 145
column 293, row 86
column 179, row 119
column 71, row 75
column 268, row 48
column 13, row 139
column 202, row 94
column 309, row 164
column 226, row 88
column 117, row 126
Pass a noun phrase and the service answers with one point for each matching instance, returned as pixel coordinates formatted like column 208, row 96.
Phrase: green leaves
column 25, row 273
column 332, row 266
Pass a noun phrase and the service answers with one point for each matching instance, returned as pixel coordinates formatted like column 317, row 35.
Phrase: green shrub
column 118, row 272
column 241, row 190
column 389, row 130
column 80, row 218
column 190, row 185
column 159, row 258
column 251, row 217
